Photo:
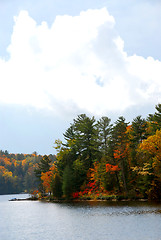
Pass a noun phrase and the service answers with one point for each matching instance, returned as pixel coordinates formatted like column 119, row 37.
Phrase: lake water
column 35, row 220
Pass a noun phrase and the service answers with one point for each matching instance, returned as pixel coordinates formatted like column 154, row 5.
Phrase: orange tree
column 51, row 181
column 43, row 167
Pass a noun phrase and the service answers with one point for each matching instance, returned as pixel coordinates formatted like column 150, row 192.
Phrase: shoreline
column 80, row 200
column 23, row 199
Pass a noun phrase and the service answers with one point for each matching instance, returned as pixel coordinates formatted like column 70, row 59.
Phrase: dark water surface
column 34, row 220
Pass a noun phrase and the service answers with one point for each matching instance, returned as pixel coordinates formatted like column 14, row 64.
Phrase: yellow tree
column 152, row 147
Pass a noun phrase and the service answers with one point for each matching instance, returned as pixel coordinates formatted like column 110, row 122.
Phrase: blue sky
column 62, row 58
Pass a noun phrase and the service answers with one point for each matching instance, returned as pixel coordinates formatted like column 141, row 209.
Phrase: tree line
column 96, row 160
column 17, row 172
column 101, row 160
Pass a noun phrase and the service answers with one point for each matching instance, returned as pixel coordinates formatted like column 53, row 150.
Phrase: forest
column 97, row 160
column 17, row 172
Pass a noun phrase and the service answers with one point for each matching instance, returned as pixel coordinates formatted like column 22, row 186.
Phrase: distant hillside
column 17, row 172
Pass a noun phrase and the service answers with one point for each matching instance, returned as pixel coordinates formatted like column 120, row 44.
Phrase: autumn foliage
column 111, row 168
column 17, row 172
column 97, row 160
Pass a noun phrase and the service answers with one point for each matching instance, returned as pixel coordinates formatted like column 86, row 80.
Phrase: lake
column 35, row 220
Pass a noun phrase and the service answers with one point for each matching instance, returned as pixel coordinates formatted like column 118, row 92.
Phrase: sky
column 59, row 59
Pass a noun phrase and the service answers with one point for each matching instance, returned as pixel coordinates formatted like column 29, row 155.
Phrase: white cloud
column 79, row 62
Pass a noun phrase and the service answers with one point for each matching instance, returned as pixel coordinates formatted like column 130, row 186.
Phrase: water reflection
column 28, row 220
column 112, row 208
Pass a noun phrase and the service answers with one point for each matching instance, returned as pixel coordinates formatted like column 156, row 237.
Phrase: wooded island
column 97, row 160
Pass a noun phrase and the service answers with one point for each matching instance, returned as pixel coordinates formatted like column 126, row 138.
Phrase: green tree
column 104, row 131
column 43, row 166
column 68, row 183
column 155, row 119
column 86, row 139
column 119, row 141
column 138, row 132
column 157, row 116
column 57, row 186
